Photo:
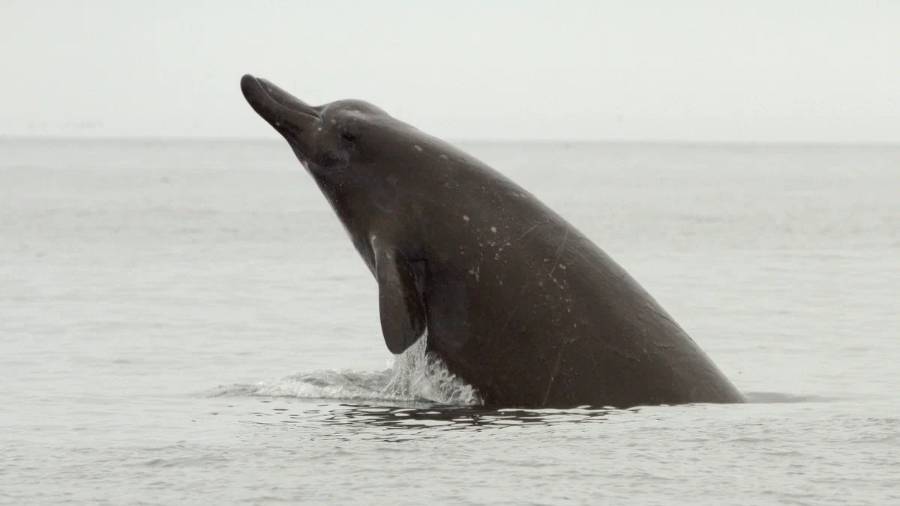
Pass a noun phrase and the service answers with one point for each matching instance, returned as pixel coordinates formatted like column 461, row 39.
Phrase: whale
column 511, row 297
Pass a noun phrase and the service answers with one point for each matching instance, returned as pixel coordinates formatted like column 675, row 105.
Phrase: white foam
column 415, row 376
column 420, row 375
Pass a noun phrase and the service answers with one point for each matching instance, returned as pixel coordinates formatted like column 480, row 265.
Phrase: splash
column 416, row 376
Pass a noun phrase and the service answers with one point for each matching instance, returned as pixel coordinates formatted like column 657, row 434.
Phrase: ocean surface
column 185, row 322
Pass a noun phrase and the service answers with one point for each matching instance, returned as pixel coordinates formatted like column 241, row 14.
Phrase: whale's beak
column 292, row 117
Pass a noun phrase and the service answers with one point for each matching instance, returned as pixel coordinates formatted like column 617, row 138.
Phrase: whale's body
column 514, row 299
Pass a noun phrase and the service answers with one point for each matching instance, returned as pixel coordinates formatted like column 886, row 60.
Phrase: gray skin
column 515, row 300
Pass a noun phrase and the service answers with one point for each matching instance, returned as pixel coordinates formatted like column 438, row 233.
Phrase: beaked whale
column 515, row 300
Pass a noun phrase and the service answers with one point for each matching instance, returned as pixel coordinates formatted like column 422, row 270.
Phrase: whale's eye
column 348, row 136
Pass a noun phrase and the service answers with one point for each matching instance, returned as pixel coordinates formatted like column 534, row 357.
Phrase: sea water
column 185, row 322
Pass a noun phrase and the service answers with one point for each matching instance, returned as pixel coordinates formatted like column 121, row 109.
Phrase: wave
column 416, row 376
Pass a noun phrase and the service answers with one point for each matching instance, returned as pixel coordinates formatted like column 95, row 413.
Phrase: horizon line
column 524, row 140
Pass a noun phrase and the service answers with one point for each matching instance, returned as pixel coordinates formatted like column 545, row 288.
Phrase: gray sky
column 809, row 71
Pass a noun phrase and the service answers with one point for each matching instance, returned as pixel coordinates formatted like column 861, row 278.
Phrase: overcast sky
column 809, row 71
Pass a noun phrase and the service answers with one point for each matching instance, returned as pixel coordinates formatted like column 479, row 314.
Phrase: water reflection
column 392, row 420
column 397, row 422
column 458, row 417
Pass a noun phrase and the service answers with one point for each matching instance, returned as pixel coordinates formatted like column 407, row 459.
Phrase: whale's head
column 361, row 157
column 325, row 138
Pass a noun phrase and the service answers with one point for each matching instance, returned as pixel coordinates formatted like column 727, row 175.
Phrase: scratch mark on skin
column 525, row 285
column 530, row 229
column 556, row 366
column 558, row 253
column 476, row 271
column 553, row 374
column 521, row 236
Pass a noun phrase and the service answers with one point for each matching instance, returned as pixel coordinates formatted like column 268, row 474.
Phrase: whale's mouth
column 278, row 107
